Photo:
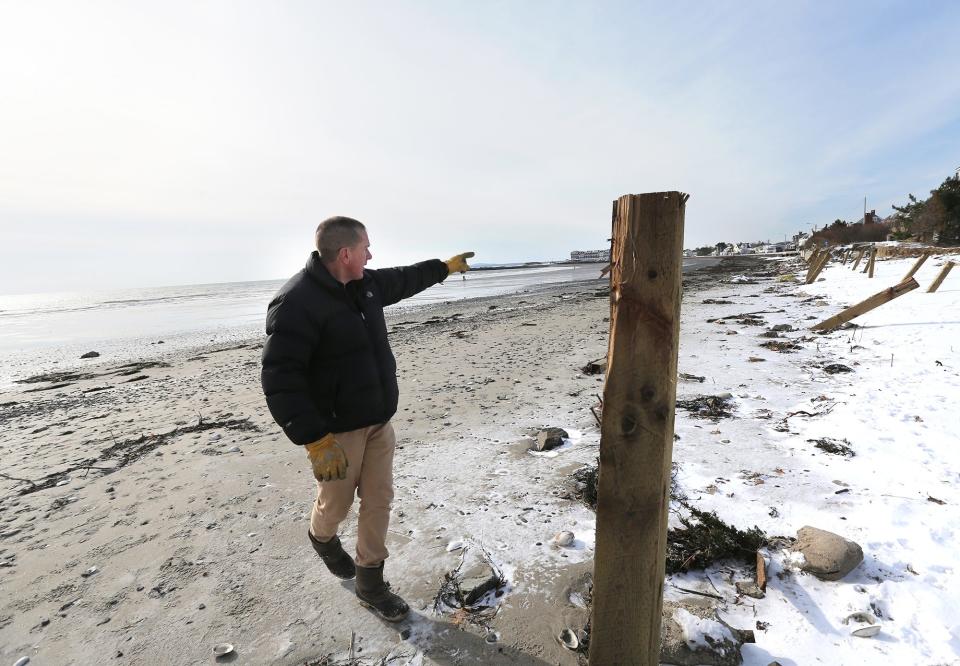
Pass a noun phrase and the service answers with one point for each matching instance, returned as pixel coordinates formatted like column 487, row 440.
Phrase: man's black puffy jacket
column 327, row 364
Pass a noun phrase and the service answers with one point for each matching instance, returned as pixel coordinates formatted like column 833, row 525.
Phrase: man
column 330, row 381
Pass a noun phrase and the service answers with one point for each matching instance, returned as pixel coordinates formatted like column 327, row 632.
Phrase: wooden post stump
column 916, row 266
column 864, row 306
column 636, row 438
column 873, row 259
column 941, row 277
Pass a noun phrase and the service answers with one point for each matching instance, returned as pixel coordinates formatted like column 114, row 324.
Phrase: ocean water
column 46, row 332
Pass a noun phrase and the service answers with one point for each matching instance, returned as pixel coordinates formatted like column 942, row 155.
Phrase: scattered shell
column 233, row 449
column 22, row 661
column 568, row 639
column 63, row 482
column 862, row 617
column 214, row 437
column 454, row 545
column 564, row 539
column 866, row 632
column 89, row 572
column 221, row 649
column 491, row 638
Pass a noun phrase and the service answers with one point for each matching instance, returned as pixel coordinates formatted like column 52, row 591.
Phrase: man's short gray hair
column 335, row 233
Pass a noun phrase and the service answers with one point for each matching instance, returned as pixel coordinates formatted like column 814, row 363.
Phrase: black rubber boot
column 374, row 593
column 334, row 556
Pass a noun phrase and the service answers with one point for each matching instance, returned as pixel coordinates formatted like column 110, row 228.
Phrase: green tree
column 704, row 251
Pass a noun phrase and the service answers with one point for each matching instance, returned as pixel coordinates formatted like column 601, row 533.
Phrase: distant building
column 590, row 255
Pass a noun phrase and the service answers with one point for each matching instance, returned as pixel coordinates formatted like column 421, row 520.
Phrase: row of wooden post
column 819, row 259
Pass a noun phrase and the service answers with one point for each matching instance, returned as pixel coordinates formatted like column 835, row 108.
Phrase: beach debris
column 550, row 438
column 491, row 637
column 835, row 368
column 694, row 634
column 784, row 346
column 568, row 639
column 585, row 485
column 783, row 327
column 826, row 555
column 89, row 572
column 716, row 301
column 597, row 367
column 222, row 649
column 470, row 594
column 869, row 624
column 703, row 539
column 124, row 452
column 564, row 539
column 22, row 661
column 233, row 449
column 90, row 354
column 708, row 406
column 687, row 377
column 836, row 447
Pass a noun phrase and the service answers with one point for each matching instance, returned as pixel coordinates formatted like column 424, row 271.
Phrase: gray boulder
column 90, row 354
column 827, row 556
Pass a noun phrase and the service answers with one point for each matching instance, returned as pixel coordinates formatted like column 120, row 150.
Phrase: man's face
column 357, row 257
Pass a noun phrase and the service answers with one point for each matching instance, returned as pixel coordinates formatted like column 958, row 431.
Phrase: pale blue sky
column 151, row 143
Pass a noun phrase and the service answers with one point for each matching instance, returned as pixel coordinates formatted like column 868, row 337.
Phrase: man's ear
column 343, row 254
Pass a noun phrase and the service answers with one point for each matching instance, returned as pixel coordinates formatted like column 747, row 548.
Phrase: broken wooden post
column 859, row 257
column 813, row 274
column 873, row 259
column 862, row 307
column 916, row 266
column 636, row 436
column 846, row 257
column 941, row 277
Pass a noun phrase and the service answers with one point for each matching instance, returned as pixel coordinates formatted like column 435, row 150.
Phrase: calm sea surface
column 43, row 332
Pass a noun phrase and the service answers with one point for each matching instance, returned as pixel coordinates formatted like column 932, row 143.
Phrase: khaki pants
column 369, row 473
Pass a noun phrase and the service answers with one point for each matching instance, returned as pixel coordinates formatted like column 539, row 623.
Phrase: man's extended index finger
column 467, row 255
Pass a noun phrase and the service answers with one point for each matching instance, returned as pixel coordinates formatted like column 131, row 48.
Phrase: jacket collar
column 319, row 272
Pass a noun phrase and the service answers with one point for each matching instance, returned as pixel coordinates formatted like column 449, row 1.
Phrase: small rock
column 214, row 437
column 550, row 438
column 782, row 327
column 90, row 354
column 564, row 539
column 201, row 606
column 749, row 588
column 827, row 556
column 233, row 449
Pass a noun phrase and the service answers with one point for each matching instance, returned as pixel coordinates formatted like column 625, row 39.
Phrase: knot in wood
column 647, row 393
column 652, row 274
column 628, row 424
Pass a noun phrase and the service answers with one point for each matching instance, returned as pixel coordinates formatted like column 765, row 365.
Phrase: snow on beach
column 896, row 496
column 198, row 536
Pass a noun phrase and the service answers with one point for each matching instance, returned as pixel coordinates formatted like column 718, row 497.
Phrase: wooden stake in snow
column 820, row 265
column 857, row 262
column 846, row 257
column 862, row 307
column 636, row 437
column 941, row 277
column 873, row 259
column 916, row 266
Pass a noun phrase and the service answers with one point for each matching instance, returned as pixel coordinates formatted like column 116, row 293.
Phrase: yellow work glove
column 328, row 459
column 458, row 264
